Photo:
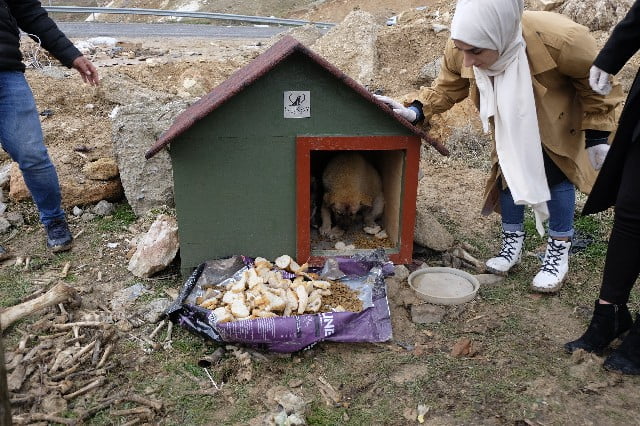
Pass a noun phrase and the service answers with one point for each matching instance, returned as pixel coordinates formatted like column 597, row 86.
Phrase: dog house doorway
column 395, row 158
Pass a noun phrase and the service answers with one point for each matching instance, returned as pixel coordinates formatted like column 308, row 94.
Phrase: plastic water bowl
column 444, row 286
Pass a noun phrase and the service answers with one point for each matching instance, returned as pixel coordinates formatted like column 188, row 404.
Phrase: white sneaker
column 509, row 255
column 554, row 267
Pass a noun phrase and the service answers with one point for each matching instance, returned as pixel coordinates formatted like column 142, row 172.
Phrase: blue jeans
column 21, row 137
column 561, row 209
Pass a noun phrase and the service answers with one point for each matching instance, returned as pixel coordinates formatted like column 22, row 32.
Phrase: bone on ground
column 57, row 294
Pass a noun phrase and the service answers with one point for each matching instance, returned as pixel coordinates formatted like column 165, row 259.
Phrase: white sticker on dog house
column 297, row 104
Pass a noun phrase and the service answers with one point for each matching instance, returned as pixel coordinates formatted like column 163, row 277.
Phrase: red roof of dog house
column 256, row 69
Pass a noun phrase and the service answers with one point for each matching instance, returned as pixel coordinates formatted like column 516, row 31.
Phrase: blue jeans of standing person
column 21, row 137
column 561, row 209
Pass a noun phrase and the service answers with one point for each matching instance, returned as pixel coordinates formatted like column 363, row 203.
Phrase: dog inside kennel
column 355, row 200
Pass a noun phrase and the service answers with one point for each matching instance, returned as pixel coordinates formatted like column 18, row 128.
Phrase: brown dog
column 352, row 187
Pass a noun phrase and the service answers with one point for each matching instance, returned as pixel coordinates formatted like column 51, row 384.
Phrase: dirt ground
column 513, row 370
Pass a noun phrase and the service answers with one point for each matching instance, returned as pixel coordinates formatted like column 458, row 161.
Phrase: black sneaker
column 59, row 237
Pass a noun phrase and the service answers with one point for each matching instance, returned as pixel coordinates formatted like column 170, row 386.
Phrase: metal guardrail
column 180, row 14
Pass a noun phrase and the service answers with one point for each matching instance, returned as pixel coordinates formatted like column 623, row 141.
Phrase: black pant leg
column 622, row 264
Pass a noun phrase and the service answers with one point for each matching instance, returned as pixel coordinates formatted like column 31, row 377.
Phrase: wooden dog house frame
column 241, row 155
column 399, row 170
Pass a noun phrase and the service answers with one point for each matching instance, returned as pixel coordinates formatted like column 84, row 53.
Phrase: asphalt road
column 101, row 29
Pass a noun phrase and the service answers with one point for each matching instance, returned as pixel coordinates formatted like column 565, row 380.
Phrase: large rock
column 156, row 249
column 598, row 14
column 430, row 233
column 75, row 192
column 120, row 89
column 351, row 46
column 136, row 126
column 101, row 169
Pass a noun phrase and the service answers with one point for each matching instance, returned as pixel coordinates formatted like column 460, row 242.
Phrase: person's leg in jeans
column 512, row 235
column 556, row 259
column 562, row 206
column 21, row 136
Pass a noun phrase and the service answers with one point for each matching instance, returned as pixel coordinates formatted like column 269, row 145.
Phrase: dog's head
column 344, row 214
column 346, row 209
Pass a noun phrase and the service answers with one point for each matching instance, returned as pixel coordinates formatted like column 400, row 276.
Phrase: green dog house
column 243, row 158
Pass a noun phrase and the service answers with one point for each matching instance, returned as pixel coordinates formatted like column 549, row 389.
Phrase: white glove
column 599, row 81
column 404, row 112
column 597, row 154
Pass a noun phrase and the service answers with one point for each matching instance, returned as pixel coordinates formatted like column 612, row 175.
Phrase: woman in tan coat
column 528, row 74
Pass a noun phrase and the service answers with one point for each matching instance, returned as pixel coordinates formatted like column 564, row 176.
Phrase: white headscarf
column 495, row 25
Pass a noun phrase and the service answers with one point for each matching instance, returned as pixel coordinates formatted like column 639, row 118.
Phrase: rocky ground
column 495, row 360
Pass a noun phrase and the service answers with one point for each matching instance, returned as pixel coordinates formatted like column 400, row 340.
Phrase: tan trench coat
column 560, row 53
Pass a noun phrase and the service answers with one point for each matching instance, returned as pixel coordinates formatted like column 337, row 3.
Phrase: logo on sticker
column 297, row 104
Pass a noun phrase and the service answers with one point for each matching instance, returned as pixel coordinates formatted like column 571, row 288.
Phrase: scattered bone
column 65, row 373
column 33, row 295
column 41, row 417
column 169, row 331
column 76, row 333
column 464, row 255
column 157, row 329
column 58, row 294
column 16, row 378
column 95, row 357
column 65, row 270
column 60, row 358
column 130, row 411
column 63, row 311
column 23, row 343
column 76, row 340
column 19, row 399
column 331, row 396
column 96, row 383
column 79, row 324
column 17, row 359
column 156, row 405
column 105, row 355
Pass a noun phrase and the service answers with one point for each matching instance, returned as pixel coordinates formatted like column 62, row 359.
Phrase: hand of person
column 404, row 112
column 597, row 154
column 599, row 80
column 87, row 71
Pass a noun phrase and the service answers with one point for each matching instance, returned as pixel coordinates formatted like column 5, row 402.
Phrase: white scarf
column 495, row 24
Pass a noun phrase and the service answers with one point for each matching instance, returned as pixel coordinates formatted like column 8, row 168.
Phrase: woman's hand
column 599, row 81
column 597, row 154
column 408, row 114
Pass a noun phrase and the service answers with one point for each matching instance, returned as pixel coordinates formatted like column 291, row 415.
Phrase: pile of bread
column 266, row 290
